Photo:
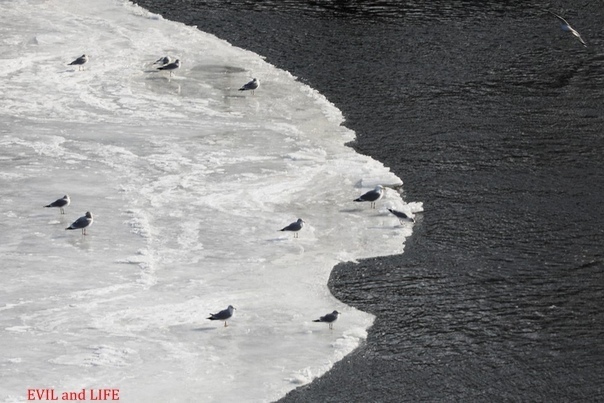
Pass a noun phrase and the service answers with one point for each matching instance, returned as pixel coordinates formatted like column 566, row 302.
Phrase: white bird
column 170, row 66
column 60, row 203
column 223, row 315
column 329, row 318
column 372, row 196
column 401, row 216
column 295, row 227
column 82, row 223
column 252, row 85
column 565, row 26
column 80, row 62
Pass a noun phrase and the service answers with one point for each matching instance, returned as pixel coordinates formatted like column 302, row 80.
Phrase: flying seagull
column 60, row 203
column 223, row 315
column 565, row 26
column 82, row 223
column 401, row 216
column 252, row 85
column 295, row 227
column 372, row 196
column 80, row 62
column 170, row 66
column 162, row 61
column 329, row 318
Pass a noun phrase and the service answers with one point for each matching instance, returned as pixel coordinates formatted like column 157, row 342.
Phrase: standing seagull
column 162, row 61
column 329, row 318
column 60, row 203
column 170, row 66
column 80, row 62
column 565, row 26
column 82, row 223
column 401, row 216
column 295, row 227
column 223, row 315
column 372, row 196
column 252, row 85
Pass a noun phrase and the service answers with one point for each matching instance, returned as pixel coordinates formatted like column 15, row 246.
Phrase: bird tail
column 69, row 228
column 317, row 320
column 358, row 200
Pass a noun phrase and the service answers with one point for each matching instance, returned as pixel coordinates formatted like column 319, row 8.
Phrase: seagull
column 60, row 203
column 565, row 26
column 401, row 216
column 295, row 227
column 80, row 62
column 372, row 196
column 170, row 66
column 223, row 315
column 252, row 85
column 82, row 223
column 163, row 60
column 329, row 318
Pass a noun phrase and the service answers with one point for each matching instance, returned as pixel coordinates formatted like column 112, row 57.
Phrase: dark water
column 493, row 117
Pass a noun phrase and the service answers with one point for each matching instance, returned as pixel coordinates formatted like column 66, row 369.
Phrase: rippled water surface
column 493, row 117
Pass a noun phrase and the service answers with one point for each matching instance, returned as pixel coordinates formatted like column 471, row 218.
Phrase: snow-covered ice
column 189, row 181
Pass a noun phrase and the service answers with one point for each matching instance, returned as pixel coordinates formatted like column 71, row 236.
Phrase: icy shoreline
column 189, row 182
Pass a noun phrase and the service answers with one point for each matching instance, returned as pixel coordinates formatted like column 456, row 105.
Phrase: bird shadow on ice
column 203, row 329
column 234, row 96
column 279, row 239
column 394, row 227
